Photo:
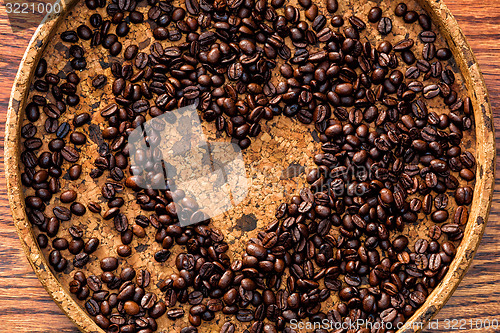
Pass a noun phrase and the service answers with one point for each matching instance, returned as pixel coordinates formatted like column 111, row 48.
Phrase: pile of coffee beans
column 386, row 161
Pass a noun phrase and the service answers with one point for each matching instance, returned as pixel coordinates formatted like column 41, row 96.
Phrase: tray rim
column 466, row 61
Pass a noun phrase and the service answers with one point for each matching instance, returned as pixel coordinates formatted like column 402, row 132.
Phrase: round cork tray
column 275, row 161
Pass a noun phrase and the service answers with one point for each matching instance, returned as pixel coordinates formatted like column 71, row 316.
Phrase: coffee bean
column 443, row 54
column 463, row 195
column 175, row 313
column 143, row 278
column 385, row 26
column 68, row 196
column 41, row 68
column 256, row 250
column 332, row 6
column 81, row 119
column 357, row 23
column 162, row 255
column 78, row 209
column 91, row 245
column 131, row 308
column 69, row 36
column 99, row 81
column 388, row 315
column 62, row 213
column 410, row 16
column 375, row 14
column 450, row 228
column 245, row 315
column 70, row 154
column 431, row 91
column 83, row 32
column 336, row 21
column 228, row 327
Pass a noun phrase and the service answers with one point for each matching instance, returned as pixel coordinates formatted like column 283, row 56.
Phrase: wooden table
column 26, row 307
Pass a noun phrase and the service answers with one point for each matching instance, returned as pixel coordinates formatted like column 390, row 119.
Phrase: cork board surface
column 283, row 145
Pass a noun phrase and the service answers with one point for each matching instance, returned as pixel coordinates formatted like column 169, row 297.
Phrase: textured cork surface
column 276, row 162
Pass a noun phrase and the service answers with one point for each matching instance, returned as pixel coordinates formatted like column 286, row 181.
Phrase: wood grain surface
column 26, row 307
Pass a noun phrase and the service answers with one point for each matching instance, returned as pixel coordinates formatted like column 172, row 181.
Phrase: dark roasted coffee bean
column 115, row 49
column 41, row 68
column 84, row 32
column 81, row 119
column 91, row 245
column 439, row 216
column 443, row 54
column 245, row 315
column 228, row 327
column 410, row 16
column 78, row 209
column 162, row 255
column 143, row 278
column 357, row 23
column 99, row 81
column 375, row 14
column 109, row 264
column 68, row 196
column 385, row 26
column 332, row 6
column 70, row 154
column 463, row 195
column 431, row 91
column 69, row 36
column 62, row 213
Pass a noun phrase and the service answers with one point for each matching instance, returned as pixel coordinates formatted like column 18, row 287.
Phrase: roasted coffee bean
column 78, row 209
column 443, row 54
column 99, row 81
column 91, row 245
column 84, row 32
column 62, row 213
column 69, row 36
column 78, row 138
column 75, row 171
column 28, row 131
column 384, row 26
column 162, row 255
column 68, row 196
column 41, row 68
column 431, row 91
column 70, row 154
column 143, row 278
column 375, row 14
column 109, row 264
column 463, row 195
column 81, row 119
column 76, row 246
column 228, row 327
column 332, row 6
column 245, row 315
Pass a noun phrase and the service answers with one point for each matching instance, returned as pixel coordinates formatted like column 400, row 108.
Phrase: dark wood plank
column 26, row 307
